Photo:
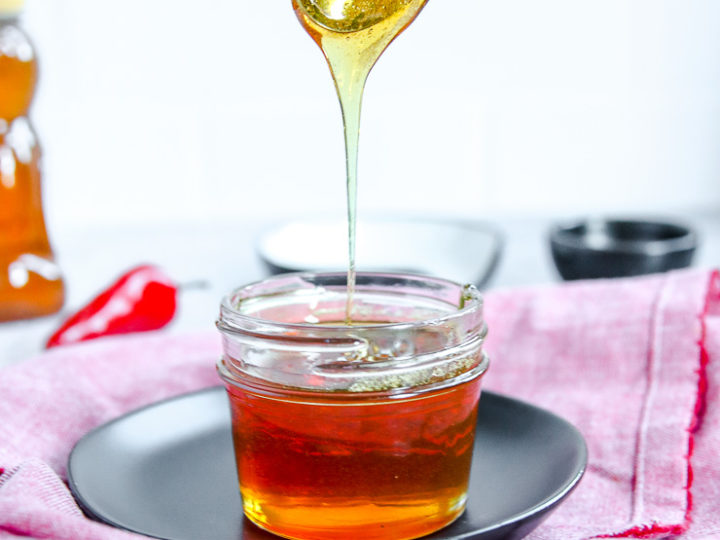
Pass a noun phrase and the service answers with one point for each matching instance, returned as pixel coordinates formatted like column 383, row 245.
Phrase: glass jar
column 353, row 430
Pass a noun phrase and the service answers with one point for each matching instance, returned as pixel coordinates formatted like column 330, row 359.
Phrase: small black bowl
column 607, row 248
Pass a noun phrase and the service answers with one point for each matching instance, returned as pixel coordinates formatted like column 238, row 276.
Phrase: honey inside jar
column 353, row 431
column 327, row 467
column 318, row 467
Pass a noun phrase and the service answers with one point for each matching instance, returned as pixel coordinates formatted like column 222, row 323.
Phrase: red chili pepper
column 142, row 299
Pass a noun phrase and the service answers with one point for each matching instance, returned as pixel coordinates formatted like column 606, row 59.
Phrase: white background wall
column 171, row 109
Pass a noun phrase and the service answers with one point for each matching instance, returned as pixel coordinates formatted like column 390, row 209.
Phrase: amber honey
column 17, row 82
column 30, row 281
column 338, row 466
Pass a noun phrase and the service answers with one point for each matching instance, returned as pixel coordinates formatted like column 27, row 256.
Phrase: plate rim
column 543, row 507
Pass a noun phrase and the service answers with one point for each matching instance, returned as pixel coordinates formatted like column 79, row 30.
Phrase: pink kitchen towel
column 632, row 363
column 49, row 402
column 627, row 362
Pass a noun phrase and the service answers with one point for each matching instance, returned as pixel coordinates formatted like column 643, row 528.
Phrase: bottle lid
column 8, row 8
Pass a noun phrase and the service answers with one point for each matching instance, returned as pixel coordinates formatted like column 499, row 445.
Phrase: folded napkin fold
column 632, row 363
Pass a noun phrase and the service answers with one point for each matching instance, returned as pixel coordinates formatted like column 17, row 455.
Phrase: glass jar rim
column 470, row 301
column 436, row 334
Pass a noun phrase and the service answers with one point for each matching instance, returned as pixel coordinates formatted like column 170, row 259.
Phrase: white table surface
column 224, row 257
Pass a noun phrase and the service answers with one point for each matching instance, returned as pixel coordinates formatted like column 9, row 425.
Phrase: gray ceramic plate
column 167, row 470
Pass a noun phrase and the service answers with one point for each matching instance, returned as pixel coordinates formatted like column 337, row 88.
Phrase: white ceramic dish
column 463, row 251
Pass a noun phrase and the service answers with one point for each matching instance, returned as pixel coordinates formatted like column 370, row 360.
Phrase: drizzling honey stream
column 352, row 35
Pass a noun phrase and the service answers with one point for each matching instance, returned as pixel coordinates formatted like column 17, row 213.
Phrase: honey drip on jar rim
column 352, row 35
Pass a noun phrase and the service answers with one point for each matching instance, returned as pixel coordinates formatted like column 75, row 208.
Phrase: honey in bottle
column 31, row 284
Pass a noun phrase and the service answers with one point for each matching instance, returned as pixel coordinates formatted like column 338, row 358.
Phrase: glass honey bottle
column 31, row 284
